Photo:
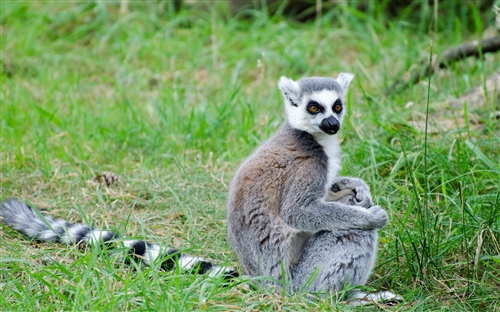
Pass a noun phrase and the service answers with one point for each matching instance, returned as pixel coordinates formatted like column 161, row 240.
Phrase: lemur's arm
column 305, row 209
column 318, row 215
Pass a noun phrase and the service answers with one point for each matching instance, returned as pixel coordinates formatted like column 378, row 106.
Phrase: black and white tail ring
column 36, row 225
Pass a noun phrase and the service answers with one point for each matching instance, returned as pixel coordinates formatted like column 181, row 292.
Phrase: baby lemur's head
column 316, row 105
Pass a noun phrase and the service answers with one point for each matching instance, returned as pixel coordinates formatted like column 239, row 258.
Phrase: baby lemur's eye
column 313, row 107
column 337, row 106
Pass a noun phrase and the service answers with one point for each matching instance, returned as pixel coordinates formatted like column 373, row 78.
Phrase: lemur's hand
column 379, row 217
column 350, row 191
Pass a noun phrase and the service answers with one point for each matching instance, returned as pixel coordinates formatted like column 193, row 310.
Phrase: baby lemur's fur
column 288, row 212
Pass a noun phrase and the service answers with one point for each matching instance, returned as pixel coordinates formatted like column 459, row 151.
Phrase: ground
column 173, row 102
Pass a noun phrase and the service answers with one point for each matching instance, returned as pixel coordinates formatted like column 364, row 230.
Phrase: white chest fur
column 331, row 147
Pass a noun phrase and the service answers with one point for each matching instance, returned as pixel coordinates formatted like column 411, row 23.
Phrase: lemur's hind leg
column 333, row 260
column 354, row 191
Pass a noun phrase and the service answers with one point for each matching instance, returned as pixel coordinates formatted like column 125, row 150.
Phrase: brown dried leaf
column 107, row 178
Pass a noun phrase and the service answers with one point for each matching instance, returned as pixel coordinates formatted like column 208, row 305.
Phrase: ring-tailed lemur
column 287, row 210
column 282, row 222
column 36, row 225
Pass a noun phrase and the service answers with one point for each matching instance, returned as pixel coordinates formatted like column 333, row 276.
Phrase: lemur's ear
column 344, row 79
column 290, row 90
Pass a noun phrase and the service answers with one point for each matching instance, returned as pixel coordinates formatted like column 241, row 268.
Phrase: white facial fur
column 296, row 104
column 299, row 118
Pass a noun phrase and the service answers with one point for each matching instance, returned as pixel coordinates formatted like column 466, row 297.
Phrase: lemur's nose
column 330, row 125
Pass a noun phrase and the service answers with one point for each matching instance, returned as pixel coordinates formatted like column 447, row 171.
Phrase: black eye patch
column 314, row 107
column 337, row 106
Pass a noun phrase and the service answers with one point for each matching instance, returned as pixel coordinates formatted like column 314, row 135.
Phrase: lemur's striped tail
column 36, row 225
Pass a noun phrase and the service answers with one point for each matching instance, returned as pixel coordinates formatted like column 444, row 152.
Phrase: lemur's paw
column 350, row 191
column 378, row 217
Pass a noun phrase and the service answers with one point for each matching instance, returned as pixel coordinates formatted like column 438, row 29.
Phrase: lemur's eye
column 313, row 107
column 337, row 106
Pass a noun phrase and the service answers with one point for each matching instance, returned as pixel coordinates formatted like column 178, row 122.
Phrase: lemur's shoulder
column 287, row 149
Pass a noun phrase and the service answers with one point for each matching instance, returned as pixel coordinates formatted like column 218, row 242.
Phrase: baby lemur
column 289, row 216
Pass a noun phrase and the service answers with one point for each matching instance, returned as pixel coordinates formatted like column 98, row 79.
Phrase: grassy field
column 173, row 103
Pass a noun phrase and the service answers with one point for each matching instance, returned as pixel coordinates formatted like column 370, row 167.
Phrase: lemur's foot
column 384, row 297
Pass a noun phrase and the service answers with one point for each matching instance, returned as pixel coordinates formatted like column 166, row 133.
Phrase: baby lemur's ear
column 344, row 79
column 290, row 90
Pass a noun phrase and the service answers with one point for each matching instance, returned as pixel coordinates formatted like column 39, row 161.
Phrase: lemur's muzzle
column 330, row 125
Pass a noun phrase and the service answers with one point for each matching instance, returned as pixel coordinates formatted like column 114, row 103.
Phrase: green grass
column 173, row 102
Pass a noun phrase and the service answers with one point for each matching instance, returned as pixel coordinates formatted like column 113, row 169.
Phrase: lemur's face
column 316, row 105
column 321, row 110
